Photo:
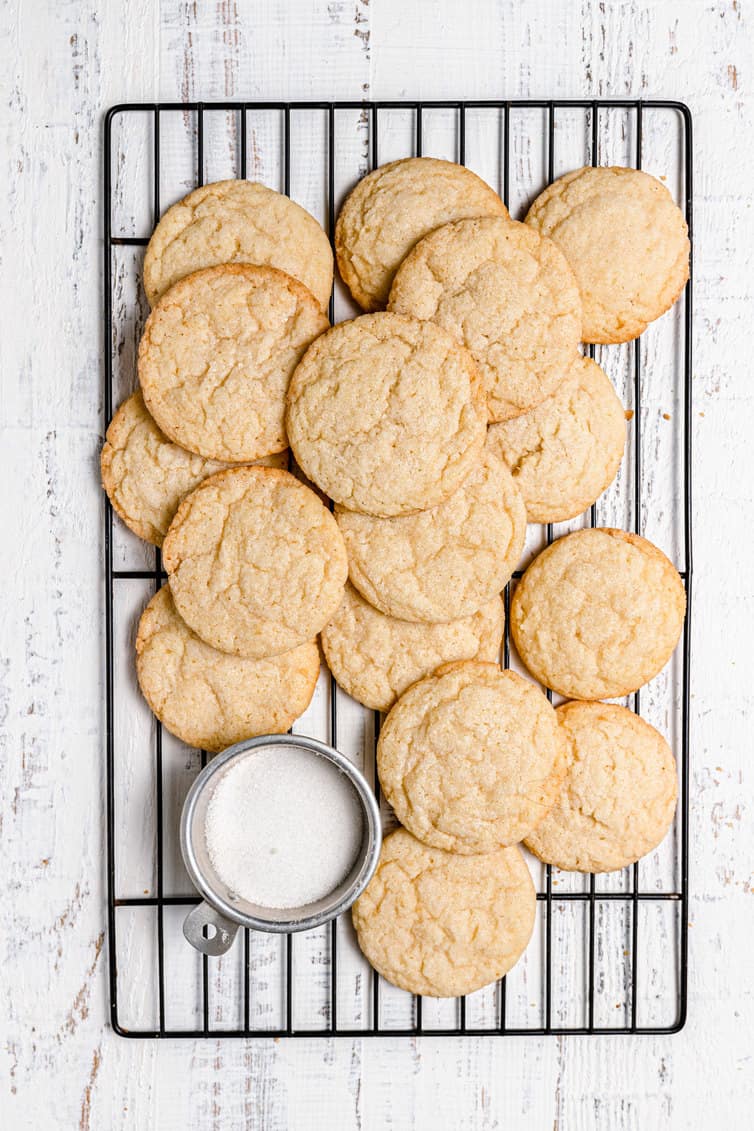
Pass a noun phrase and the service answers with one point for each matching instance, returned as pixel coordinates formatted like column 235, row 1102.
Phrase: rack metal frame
column 678, row 898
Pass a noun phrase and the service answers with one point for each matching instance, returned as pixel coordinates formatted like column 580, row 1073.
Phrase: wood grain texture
column 65, row 63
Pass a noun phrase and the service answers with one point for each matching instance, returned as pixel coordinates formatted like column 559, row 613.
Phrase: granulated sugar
column 284, row 827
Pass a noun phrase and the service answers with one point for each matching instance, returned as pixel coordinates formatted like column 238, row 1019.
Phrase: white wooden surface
column 62, row 64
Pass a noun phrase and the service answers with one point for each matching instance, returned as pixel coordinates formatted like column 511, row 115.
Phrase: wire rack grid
column 599, row 944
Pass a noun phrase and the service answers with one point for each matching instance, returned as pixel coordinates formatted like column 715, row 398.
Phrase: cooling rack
column 609, row 954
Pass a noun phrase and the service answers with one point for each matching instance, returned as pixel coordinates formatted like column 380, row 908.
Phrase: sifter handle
column 220, row 940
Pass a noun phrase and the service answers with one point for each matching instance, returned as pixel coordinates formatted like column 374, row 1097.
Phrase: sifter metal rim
column 369, row 858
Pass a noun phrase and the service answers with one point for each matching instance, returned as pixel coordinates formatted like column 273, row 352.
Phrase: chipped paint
column 86, row 1102
column 60, row 1065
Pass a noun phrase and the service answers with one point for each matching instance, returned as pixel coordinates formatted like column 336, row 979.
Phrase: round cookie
column 446, row 562
column 627, row 242
column 471, row 758
column 567, row 450
column 598, row 614
column 217, row 355
column 208, row 698
column 238, row 222
column 393, row 207
column 386, row 414
column 146, row 475
column 443, row 925
column 508, row 294
column 375, row 658
column 619, row 795
column 256, row 562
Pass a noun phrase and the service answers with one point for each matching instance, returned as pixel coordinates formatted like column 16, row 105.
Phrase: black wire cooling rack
column 162, row 897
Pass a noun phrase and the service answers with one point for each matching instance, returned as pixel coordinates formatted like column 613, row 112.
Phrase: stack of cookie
column 454, row 410
column 238, row 277
column 475, row 760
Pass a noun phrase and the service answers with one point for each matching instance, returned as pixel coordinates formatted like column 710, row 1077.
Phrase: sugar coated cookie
column 386, row 414
column 567, row 450
column 619, row 796
column 508, row 294
column 256, row 562
column 471, row 758
column 392, row 208
column 217, row 355
column 598, row 614
column 627, row 242
column 238, row 222
column 446, row 562
column 211, row 699
column 375, row 657
column 146, row 475
column 440, row 924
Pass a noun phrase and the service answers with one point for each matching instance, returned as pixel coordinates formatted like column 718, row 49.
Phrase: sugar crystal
column 284, row 827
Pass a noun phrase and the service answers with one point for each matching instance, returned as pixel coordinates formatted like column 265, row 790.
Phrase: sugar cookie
column 626, row 241
column 238, row 222
column 386, row 414
column 567, row 450
column 619, row 795
column 393, row 207
column 217, row 355
column 440, row 924
column 445, row 562
column 598, row 614
column 211, row 699
column 146, row 475
column 508, row 294
column 471, row 758
column 256, row 563
column 375, row 657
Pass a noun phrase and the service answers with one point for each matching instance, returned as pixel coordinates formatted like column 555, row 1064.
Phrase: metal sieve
column 211, row 926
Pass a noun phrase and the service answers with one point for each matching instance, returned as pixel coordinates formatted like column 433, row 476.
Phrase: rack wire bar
column 549, row 900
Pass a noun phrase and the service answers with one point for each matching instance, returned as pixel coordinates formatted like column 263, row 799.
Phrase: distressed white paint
column 62, row 65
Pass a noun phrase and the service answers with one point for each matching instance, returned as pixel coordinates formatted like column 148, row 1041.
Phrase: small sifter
column 211, row 926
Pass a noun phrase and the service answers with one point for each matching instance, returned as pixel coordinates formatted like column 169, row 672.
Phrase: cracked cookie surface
column 619, row 795
column 440, row 924
column 471, row 758
column 375, row 657
column 211, row 699
column 598, row 614
column 146, row 475
column 445, row 562
column 393, row 207
column 567, row 450
column 256, row 563
column 238, row 222
column 217, row 355
column 627, row 242
column 386, row 414
column 508, row 294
